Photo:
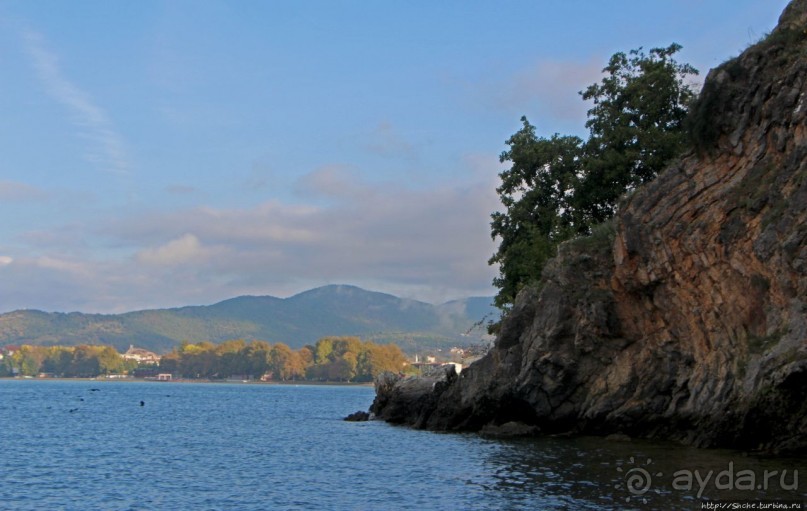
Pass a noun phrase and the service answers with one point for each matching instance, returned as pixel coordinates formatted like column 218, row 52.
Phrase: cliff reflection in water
column 284, row 447
column 592, row 473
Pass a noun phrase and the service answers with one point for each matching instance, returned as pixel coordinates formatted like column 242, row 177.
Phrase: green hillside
column 296, row 321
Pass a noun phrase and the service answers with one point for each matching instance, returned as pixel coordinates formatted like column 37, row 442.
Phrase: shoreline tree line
column 336, row 359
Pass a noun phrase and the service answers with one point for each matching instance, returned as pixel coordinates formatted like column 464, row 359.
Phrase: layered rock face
column 685, row 318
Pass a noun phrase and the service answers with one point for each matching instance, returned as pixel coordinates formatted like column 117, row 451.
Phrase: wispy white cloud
column 106, row 148
column 547, row 88
column 329, row 181
column 181, row 250
column 427, row 243
column 553, row 86
column 61, row 283
column 64, row 265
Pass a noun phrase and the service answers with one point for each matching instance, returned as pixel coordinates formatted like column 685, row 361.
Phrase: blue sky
column 157, row 154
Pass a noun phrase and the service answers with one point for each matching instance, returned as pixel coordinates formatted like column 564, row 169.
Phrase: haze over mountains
column 297, row 321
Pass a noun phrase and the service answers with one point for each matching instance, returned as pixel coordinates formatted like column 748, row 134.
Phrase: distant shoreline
column 194, row 381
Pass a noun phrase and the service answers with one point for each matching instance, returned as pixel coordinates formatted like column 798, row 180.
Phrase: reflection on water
column 66, row 446
column 591, row 473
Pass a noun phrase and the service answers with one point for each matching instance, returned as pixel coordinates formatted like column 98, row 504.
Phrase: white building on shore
column 141, row 356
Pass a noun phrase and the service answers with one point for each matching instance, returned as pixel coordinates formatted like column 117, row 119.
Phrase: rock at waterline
column 510, row 429
column 359, row 416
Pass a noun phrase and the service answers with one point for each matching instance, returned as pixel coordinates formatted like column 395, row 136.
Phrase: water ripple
column 258, row 447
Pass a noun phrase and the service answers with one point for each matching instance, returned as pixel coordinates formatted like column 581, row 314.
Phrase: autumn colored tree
column 28, row 360
column 284, row 363
column 378, row 358
column 330, row 359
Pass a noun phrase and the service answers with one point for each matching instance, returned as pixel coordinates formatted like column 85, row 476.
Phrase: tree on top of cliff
column 636, row 126
column 559, row 187
column 536, row 193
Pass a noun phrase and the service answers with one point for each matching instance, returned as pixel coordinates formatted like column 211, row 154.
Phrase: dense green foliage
column 636, row 126
column 535, row 192
column 560, row 187
column 330, row 359
column 65, row 361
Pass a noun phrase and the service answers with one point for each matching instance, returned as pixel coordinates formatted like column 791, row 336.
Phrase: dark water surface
column 276, row 447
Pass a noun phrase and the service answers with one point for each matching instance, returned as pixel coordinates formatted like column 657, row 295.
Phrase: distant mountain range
column 297, row 321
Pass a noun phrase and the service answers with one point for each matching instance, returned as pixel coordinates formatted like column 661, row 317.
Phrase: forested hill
column 296, row 321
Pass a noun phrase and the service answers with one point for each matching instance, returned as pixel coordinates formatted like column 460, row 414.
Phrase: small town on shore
column 331, row 359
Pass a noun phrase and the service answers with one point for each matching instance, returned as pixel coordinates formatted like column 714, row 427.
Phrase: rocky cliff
column 686, row 317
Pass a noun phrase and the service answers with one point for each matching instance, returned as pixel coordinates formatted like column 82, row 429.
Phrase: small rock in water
column 358, row 417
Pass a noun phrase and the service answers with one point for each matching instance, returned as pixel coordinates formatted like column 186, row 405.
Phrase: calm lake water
column 66, row 446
